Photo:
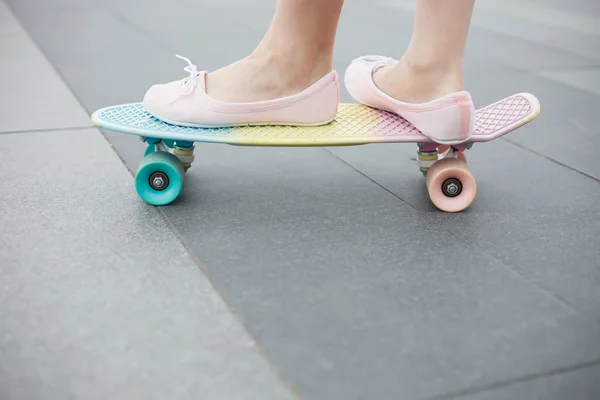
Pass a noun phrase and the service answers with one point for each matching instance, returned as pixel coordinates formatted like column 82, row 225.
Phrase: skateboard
column 449, row 181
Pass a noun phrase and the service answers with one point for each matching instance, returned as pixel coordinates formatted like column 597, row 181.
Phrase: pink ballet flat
column 447, row 120
column 185, row 102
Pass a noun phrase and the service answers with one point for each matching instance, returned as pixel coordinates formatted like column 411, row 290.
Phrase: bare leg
column 296, row 51
column 432, row 66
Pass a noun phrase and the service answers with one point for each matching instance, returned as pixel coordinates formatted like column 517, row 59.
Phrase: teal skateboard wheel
column 159, row 178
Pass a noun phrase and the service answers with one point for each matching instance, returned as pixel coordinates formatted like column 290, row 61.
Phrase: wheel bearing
column 451, row 187
column 158, row 181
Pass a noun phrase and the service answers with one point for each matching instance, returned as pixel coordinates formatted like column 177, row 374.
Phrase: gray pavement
column 316, row 273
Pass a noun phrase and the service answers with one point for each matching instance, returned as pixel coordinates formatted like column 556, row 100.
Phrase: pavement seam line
column 537, row 153
column 41, row 130
column 528, row 72
column 512, row 382
column 576, row 68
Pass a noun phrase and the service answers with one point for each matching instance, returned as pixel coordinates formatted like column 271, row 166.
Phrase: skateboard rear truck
column 449, row 180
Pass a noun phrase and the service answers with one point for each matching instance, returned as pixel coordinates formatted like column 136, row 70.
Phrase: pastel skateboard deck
column 450, row 184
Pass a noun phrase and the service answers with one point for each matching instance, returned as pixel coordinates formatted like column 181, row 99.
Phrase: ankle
column 437, row 70
column 293, row 66
column 432, row 59
column 432, row 79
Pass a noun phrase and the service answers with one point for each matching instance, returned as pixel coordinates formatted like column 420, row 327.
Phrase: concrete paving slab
column 581, row 384
column 8, row 24
column 99, row 298
column 589, row 7
column 530, row 213
column 520, row 54
column 543, row 32
column 32, row 95
column 587, row 79
column 580, row 17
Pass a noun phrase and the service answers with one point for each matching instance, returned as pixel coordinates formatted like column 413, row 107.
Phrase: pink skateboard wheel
column 451, row 185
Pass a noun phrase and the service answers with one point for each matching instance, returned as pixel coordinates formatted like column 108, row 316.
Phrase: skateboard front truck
column 160, row 175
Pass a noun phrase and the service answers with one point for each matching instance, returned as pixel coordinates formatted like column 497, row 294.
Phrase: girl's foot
column 432, row 99
column 255, row 90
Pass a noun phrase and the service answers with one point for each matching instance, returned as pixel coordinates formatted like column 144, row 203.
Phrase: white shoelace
column 193, row 71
